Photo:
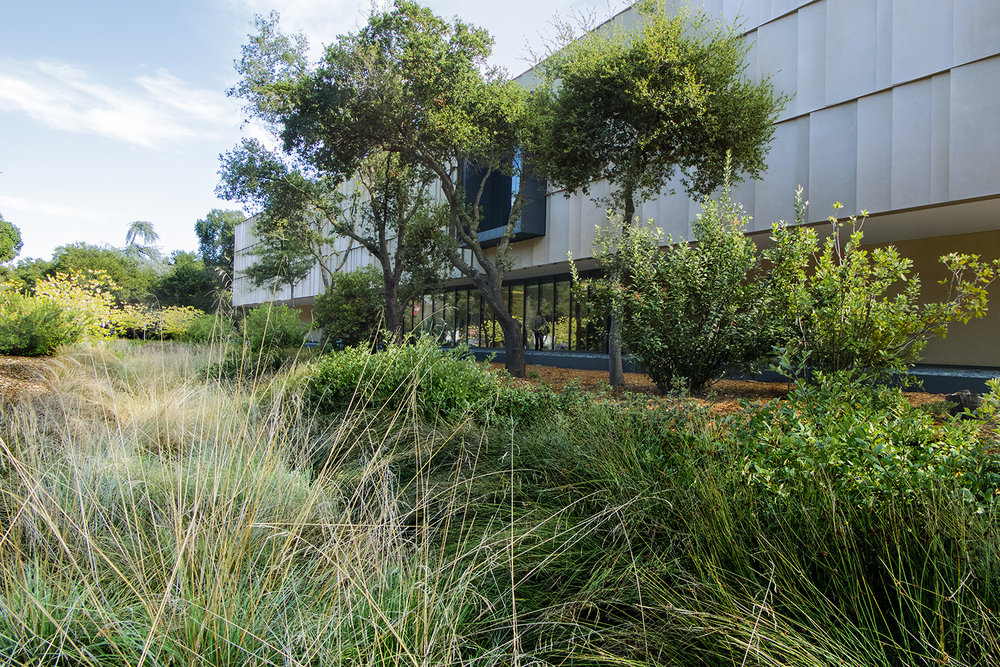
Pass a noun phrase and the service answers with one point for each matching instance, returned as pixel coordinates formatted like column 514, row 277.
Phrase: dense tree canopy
column 216, row 242
column 10, row 240
column 417, row 86
column 637, row 106
column 392, row 107
column 188, row 282
column 135, row 280
column 28, row 271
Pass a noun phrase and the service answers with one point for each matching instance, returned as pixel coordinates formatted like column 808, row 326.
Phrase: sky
column 116, row 110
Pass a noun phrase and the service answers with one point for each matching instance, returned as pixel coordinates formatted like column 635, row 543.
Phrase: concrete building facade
column 895, row 110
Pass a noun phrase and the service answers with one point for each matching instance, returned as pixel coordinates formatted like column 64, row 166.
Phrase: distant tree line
column 141, row 272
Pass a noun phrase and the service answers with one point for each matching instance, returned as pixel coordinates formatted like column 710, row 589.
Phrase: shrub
column 136, row 321
column 350, row 311
column 442, row 383
column 204, row 328
column 86, row 297
column 860, row 308
column 864, row 444
column 176, row 320
column 273, row 326
column 31, row 326
column 689, row 312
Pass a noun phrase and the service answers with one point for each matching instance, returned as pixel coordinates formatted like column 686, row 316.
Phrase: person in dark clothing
column 538, row 329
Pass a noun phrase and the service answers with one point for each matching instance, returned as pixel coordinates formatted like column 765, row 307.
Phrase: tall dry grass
column 151, row 516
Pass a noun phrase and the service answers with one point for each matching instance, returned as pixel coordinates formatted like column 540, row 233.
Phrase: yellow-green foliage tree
column 88, row 299
column 176, row 320
column 133, row 320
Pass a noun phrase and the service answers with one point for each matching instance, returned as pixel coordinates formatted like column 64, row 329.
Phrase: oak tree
column 415, row 86
column 10, row 240
column 381, row 204
column 638, row 106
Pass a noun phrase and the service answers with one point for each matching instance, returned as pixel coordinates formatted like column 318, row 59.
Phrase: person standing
column 538, row 329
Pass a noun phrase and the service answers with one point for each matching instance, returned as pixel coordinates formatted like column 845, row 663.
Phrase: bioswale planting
column 172, row 504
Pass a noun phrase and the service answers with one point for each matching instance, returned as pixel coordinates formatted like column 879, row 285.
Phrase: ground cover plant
column 152, row 515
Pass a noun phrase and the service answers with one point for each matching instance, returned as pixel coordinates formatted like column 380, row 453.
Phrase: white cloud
column 22, row 205
column 152, row 111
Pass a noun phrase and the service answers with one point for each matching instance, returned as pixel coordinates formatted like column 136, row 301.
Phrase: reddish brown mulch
column 723, row 396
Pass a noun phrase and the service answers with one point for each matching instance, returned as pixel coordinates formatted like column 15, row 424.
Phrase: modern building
column 895, row 109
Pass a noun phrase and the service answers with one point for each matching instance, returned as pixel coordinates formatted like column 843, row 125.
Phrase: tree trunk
column 513, row 343
column 616, row 376
column 393, row 321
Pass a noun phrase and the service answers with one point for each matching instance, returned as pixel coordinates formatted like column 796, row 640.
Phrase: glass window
column 416, row 314
column 546, row 302
column 515, row 180
column 450, row 331
column 536, row 327
column 426, row 325
column 517, row 307
column 462, row 315
column 490, row 329
column 561, row 328
column 586, row 331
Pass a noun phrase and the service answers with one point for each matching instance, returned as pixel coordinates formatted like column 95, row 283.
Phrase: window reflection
column 561, row 328
column 563, row 319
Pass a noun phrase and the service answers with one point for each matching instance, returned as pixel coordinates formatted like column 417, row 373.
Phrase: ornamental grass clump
column 149, row 516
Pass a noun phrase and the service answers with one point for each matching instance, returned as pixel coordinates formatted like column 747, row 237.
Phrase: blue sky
column 114, row 111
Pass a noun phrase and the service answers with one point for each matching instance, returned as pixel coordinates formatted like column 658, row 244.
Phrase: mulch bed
column 723, row 396
column 23, row 376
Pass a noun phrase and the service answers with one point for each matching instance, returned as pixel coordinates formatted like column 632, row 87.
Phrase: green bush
column 273, row 326
column 205, row 328
column 31, row 326
column 351, row 310
column 441, row 383
column 864, row 443
column 690, row 312
column 860, row 309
